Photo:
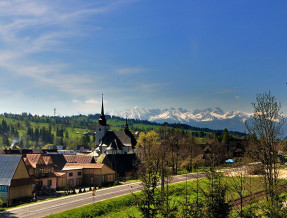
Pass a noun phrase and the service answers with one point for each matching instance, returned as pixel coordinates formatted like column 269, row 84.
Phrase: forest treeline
column 33, row 131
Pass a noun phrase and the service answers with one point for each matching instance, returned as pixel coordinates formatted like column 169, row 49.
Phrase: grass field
column 125, row 206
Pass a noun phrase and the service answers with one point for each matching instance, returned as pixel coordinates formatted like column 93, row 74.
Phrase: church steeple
column 102, row 111
column 126, row 125
column 102, row 119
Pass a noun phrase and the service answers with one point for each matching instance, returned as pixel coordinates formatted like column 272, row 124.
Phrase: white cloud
column 76, row 101
column 92, row 101
column 35, row 27
column 32, row 28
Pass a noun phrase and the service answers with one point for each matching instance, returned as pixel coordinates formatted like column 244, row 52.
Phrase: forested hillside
column 32, row 131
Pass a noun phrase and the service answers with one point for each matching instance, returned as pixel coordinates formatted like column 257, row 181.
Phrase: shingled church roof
column 118, row 139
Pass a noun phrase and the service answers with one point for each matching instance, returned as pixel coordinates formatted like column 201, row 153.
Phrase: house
column 124, row 164
column 61, row 179
column 92, row 174
column 81, row 170
column 84, row 148
column 236, row 148
column 41, row 170
column 74, row 175
column 15, row 182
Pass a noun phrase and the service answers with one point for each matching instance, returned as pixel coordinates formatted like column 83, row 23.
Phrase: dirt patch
column 282, row 174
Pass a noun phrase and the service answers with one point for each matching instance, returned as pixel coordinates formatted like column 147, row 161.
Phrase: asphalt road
column 65, row 203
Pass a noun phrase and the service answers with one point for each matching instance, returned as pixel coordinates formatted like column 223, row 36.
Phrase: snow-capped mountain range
column 213, row 118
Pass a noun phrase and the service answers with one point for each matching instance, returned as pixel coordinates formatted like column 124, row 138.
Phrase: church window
column 99, row 129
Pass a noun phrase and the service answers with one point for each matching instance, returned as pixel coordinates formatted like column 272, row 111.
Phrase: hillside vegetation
column 32, row 131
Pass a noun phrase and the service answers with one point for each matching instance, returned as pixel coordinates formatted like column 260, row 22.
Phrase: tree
column 265, row 126
column 225, row 137
column 149, row 153
column 85, row 140
column 69, row 187
column 5, row 140
column 192, row 207
column 67, row 134
column 215, row 195
column 173, row 141
column 190, row 151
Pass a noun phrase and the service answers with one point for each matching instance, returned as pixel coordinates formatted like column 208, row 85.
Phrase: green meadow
column 180, row 194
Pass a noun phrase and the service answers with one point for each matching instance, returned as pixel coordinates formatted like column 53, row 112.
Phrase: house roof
column 83, row 165
column 58, row 160
column 8, row 166
column 47, row 159
column 34, row 159
column 76, row 168
column 60, row 173
column 79, row 159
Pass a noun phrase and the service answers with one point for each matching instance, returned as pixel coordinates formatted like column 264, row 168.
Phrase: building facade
column 15, row 182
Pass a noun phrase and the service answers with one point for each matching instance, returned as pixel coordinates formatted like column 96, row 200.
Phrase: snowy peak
column 213, row 117
column 215, row 110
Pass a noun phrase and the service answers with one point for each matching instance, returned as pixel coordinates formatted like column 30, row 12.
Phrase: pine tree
column 225, row 137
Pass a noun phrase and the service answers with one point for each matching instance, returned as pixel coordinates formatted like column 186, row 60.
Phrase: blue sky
column 152, row 54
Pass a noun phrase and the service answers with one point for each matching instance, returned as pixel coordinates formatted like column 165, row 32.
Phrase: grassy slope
column 115, row 124
column 126, row 205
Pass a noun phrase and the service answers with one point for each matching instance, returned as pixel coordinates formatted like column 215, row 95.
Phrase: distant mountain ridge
column 213, row 118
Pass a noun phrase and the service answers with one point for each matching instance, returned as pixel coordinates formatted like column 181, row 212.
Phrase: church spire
column 102, row 119
column 102, row 111
column 126, row 125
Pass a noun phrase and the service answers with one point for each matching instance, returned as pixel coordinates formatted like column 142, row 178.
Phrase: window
column 99, row 129
column 39, row 183
column 70, row 174
column 49, row 183
column 39, row 171
column 79, row 173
